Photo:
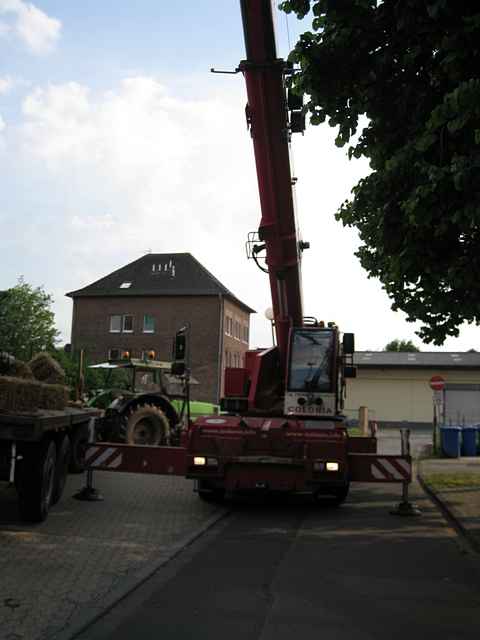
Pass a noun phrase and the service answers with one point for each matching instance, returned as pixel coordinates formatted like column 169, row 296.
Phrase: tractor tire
column 64, row 451
column 146, row 425
column 36, row 482
column 79, row 442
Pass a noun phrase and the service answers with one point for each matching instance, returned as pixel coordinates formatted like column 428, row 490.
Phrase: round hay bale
column 10, row 366
column 46, row 369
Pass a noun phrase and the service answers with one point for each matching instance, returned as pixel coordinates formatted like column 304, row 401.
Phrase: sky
column 116, row 140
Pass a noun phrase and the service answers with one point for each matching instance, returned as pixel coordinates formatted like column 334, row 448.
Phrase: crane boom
column 267, row 117
column 282, row 426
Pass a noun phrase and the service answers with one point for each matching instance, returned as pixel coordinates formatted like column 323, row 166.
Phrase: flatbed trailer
column 37, row 449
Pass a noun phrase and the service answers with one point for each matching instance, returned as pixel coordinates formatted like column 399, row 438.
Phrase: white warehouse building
column 394, row 386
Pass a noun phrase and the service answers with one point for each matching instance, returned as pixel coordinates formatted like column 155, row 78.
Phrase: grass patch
column 354, row 431
column 452, row 480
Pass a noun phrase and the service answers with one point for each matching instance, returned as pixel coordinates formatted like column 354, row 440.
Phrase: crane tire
column 210, row 495
column 332, row 497
column 36, row 482
column 146, row 424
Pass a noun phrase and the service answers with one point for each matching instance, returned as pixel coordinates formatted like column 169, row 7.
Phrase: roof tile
column 160, row 274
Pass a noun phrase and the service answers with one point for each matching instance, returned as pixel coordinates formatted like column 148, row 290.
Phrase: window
column 127, row 326
column 125, row 285
column 148, row 324
column 115, row 324
column 113, row 354
column 228, row 325
column 311, row 360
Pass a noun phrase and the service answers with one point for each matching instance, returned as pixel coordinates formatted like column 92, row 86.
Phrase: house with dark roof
column 394, row 386
column 139, row 307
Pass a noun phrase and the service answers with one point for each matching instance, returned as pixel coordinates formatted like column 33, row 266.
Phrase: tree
column 94, row 379
column 26, row 321
column 412, row 69
column 401, row 345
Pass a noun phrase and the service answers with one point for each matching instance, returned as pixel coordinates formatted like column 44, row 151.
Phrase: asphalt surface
column 274, row 571
column 282, row 570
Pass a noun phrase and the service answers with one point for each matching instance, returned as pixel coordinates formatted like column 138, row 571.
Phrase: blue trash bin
column 469, row 441
column 450, row 439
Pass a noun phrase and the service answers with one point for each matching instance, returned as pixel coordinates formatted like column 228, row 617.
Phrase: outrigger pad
column 89, row 494
column 406, row 509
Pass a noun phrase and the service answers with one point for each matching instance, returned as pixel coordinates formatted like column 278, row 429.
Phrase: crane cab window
column 311, row 360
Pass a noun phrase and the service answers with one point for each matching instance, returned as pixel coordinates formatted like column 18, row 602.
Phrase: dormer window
column 125, row 285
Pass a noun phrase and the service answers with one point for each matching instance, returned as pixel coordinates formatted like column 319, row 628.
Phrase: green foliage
column 94, row 379
column 401, row 345
column 26, row 321
column 400, row 81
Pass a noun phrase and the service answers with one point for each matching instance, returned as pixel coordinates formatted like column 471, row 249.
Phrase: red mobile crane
column 282, row 427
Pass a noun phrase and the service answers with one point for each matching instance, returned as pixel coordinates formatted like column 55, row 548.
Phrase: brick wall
column 91, row 331
column 236, row 332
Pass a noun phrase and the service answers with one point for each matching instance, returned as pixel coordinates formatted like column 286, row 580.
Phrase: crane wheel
column 146, row 425
column 210, row 495
column 332, row 496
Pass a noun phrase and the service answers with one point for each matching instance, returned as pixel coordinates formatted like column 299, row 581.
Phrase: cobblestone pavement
column 73, row 564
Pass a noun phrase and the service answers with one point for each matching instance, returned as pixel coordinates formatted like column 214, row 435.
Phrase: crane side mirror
column 348, row 343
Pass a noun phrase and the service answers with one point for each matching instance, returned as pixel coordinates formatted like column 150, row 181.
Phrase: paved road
column 60, row 574
column 273, row 571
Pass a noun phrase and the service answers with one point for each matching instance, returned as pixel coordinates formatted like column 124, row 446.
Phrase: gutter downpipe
column 220, row 346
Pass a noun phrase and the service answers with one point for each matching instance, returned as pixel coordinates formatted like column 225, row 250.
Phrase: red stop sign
column 437, row 383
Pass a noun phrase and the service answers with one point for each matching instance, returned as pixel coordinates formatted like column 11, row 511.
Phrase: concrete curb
column 82, row 620
column 448, row 513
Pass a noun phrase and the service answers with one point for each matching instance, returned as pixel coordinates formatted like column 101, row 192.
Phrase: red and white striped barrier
column 135, row 459
column 391, row 469
column 109, row 458
column 371, row 467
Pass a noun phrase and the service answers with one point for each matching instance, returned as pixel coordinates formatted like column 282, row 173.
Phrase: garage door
column 462, row 403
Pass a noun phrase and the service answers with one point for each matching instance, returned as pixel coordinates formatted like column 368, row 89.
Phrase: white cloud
column 2, row 124
column 138, row 168
column 35, row 28
column 173, row 175
column 6, row 83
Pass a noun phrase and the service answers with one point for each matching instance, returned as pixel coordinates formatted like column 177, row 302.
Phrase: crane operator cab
column 317, row 366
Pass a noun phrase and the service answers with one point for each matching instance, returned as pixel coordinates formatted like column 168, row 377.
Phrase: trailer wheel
column 146, row 425
column 36, row 482
column 79, row 442
column 61, row 468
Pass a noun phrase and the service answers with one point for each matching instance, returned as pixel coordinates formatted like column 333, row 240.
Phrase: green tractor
column 155, row 407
